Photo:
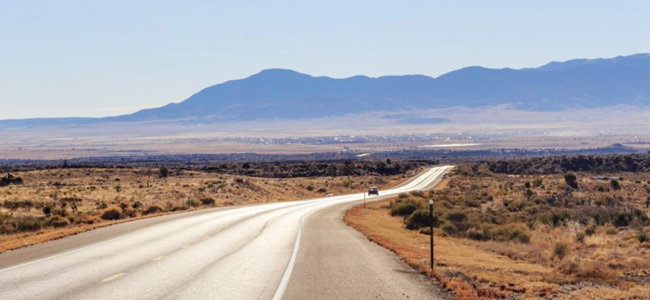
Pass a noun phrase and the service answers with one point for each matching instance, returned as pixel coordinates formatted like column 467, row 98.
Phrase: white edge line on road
column 286, row 277
column 284, row 282
column 445, row 168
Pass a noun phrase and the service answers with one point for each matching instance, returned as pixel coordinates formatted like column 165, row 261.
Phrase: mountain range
column 286, row 94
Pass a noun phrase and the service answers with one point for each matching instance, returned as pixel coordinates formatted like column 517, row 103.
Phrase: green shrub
column 403, row 209
column 477, row 234
column 25, row 224
column 510, row 232
column 191, row 203
column 449, row 228
column 420, row 218
column 112, row 213
column 457, row 216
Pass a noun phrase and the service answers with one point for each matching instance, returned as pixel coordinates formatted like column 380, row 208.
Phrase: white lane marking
column 158, row 258
column 434, row 172
column 284, row 282
column 113, row 277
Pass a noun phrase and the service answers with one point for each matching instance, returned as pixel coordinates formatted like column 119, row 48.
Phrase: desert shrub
column 310, row 188
column 585, row 268
column 153, row 209
column 137, row 205
column 28, row 223
column 419, row 194
column 47, row 210
column 163, row 172
column 208, row 201
column 322, row 190
column 87, row 219
column 13, row 205
column 128, row 213
column 571, row 180
column 611, row 231
column 112, row 213
column 457, row 216
column 510, row 232
column 57, row 222
column 580, row 237
column 590, row 230
column 191, row 203
column 556, row 217
column 10, row 179
column 449, row 228
column 402, row 196
column 420, row 218
column 477, row 234
column 403, row 209
column 615, row 185
column 560, row 250
column 643, row 237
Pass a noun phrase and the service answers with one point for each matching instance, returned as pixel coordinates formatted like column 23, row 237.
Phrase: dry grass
column 136, row 193
column 607, row 263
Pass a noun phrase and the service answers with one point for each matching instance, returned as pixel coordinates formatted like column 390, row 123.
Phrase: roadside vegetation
column 37, row 203
column 571, row 227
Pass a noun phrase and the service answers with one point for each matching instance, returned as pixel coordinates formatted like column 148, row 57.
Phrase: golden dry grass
column 131, row 188
column 473, row 272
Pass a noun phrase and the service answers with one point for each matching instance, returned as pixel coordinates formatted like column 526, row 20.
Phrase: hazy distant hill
column 286, row 94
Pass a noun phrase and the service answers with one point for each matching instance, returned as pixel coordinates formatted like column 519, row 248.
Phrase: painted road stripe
column 116, row 276
column 158, row 258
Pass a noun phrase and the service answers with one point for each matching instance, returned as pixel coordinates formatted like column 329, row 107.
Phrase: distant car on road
column 373, row 191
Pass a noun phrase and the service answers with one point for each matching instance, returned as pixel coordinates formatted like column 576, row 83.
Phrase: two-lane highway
column 290, row 250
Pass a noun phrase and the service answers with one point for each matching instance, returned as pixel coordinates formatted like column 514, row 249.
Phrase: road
column 285, row 250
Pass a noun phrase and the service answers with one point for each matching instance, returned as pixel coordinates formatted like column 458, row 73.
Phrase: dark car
column 373, row 191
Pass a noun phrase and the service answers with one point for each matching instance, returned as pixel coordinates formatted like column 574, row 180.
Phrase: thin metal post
column 431, row 229
column 364, row 200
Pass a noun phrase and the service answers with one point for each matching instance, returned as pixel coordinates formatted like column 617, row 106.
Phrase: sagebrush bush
column 153, row 209
column 449, row 228
column 58, row 222
column 111, row 213
column 208, row 201
column 510, row 232
column 25, row 224
column 403, row 209
column 420, row 218
column 560, row 250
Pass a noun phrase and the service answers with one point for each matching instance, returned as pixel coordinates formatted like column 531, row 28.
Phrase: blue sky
column 92, row 58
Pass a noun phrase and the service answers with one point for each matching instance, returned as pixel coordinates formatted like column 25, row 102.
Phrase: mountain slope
column 286, row 94
column 282, row 94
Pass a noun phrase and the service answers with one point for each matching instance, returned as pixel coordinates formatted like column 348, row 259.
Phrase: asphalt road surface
column 286, row 250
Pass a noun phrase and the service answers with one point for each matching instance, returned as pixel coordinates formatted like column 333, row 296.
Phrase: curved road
column 286, row 250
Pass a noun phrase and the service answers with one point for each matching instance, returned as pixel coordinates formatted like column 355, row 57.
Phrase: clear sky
column 98, row 58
